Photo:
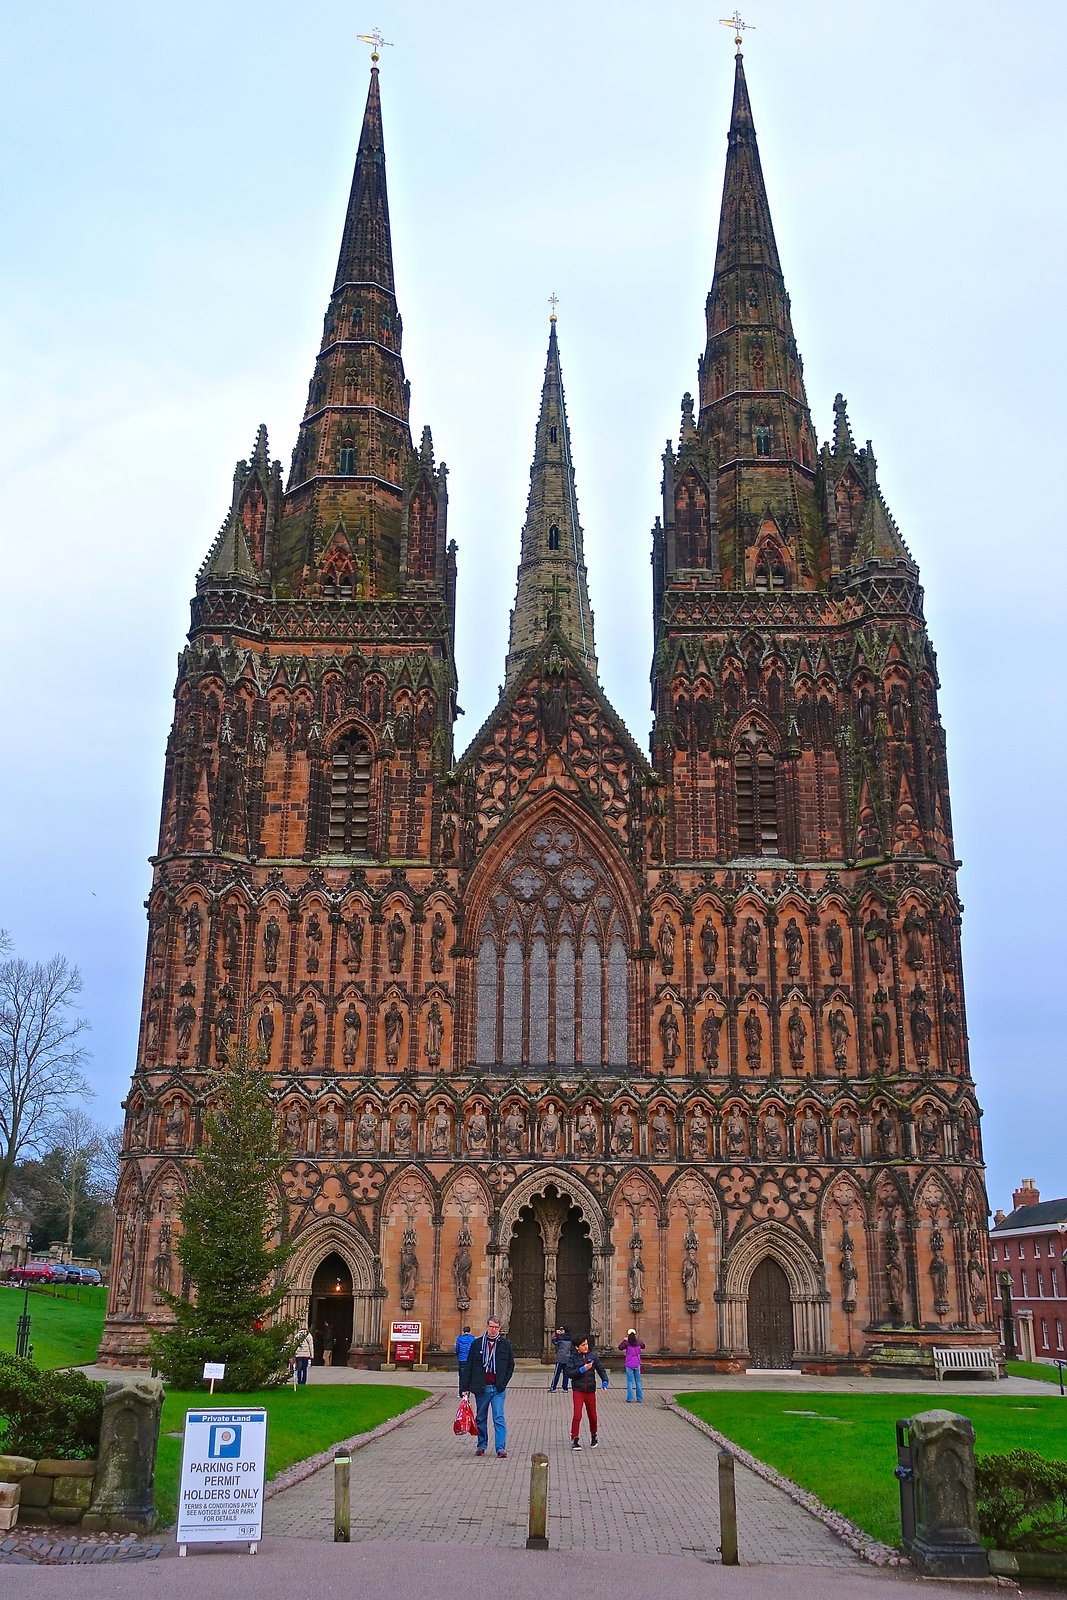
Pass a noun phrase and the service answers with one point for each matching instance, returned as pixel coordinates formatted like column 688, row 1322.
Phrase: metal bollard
column 538, row 1539
column 904, row 1472
column 342, row 1508
column 727, row 1510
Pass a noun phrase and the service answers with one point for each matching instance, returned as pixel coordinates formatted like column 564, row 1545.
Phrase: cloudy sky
column 172, row 191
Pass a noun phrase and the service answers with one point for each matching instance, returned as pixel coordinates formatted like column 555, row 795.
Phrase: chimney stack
column 1027, row 1195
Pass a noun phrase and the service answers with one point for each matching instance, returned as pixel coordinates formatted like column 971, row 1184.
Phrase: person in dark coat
column 486, row 1374
column 582, row 1369
column 463, row 1344
column 561, row 1343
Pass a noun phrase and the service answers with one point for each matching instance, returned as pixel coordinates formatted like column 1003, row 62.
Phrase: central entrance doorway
column 551, row 1260
column 330, row 1316
column 770, row 1317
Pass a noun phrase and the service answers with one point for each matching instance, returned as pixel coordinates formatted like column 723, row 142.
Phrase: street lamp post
column 1009, row 1325
column 22, row 1328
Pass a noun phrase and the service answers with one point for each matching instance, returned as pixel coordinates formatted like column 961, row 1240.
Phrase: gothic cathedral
column 557, row 1030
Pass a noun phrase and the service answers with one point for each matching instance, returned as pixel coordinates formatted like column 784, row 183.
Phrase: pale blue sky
column 173, row 186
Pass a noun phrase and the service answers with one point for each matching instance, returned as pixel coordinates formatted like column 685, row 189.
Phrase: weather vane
column 735, row 22
column 376, row 40
column 553, row 301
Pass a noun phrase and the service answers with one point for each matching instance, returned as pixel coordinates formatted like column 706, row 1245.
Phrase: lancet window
column 350, row 797
column 552, row 968
column 756, row 795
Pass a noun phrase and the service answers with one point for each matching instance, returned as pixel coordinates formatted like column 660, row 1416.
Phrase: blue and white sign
column 221, row 1494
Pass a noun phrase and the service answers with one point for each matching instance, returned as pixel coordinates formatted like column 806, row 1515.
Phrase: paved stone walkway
column 650, row 1488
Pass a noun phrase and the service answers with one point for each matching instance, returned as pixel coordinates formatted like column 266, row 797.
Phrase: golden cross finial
column 555, row 591
column 553, row 301
column 374, row 38
column 738, row 25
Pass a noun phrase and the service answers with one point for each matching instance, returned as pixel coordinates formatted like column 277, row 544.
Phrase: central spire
column 552, row 586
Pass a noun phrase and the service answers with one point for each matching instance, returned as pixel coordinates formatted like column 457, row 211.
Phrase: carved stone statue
column 224, row 1024
column 514, row 1127
column 939, row 1271
column 193, row 929
column 835, row 947
column 885, row 1133
column 691, row 1273
column 231, row 938
column 710, row 1030
column 354, row 930
column 665, row 942
column 849, row 1275
column 151, row 1032
column 394, row 1033
column 660, row 1134
column 894, row 1279
column 735, row 1135
column 477, row 1132
column 750, row 946
column 898, row 712
column 409, row 1270
column 773, row 1144
column 809, row 1137
column 921, row 1027
column 461, row 1269
column 797, row 1032
column 837, row 1023
column 448, row 836
column 976, row 1284
column 163, row 1263
column 272, row 934
column 437, row 942
column 402, row 1131
column 655, row 837
column 174, row 1136
column 440, row 1133
column 184, row 1023
column 395, row 939
column 312, row 941
column 635, row 1274
column 367, row 1133
column 929, row 1130
column 698, row 1136
column 914, row 928
column 351, row 1028
column 794, row 948
column 309, row 1033
column 265, row 1032
column 881, row 1030
column 551, row 1128
column 586, row 1132
column 435, row 1034
column 709, row 946
column 874, row 931
column 846, row 1138
column 669, row 1037
column 330, row 1132
column 293, row 1129
column 622, row 1135
column 753, row 1040
column 951, row 1028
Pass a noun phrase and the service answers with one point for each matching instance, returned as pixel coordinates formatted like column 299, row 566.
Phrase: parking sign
column 221, row 1494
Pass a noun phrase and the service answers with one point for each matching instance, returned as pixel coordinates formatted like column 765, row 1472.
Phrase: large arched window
column 350, row 797
column 552, row 971
column 756, row 796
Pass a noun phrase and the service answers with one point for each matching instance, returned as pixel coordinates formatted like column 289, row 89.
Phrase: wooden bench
column 960, row 1359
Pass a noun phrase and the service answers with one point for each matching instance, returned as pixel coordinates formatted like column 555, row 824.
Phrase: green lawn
column 64, row 1332
column 843, row 1446
column 1035, row 1369
column 299, row 1424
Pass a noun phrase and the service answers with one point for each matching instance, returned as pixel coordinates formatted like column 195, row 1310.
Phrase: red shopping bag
column 466, row 1421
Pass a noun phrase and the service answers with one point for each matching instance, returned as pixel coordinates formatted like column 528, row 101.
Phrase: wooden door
column 770, row 1317
column 527, row 1259
column 574, row 1261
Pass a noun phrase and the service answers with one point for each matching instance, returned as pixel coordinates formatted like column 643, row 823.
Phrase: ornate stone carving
column 753, row 1040
column 698, row 1136
column 750, row 936
column 514, row 1130
column 354, row 931
column 462, row 1263
column 351, row 1029
column 409, row 1268
column 808, row 1137
column 586, row 1132
column 794, row 949
column 312, row 941
column 330, row 1131
column 735, row 1134
column 670, row 1037
column 367, row 1133
column 395, row 940
column 665, row 945
column 710, row 1029
column 691, row 1271
column 477, row 1132
column 709, row 946
column 660, row 1135
column 394, row 1033
column 435, row 1034
column 438, row 933
column 551, row 1130
column 835, row 947
column 837, row 1025
column 622, row 1135
column 193, row 931
column 272, row 934
column 309, row 1033
column 797, row 1034
column 849, row 1275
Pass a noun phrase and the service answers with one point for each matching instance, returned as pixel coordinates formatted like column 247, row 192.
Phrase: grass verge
column 843, row 1446
column 1034, row 1369
column 299, row 1424
column 64, row 1330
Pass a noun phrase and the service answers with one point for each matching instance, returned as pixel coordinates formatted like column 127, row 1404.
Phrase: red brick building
column 557, row 1028
column 1030, row 1246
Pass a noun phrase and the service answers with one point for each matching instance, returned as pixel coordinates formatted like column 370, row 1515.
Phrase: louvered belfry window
column 757, row 797
column 350, row 797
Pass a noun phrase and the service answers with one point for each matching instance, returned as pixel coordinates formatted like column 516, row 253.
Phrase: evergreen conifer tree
column 233, row 1266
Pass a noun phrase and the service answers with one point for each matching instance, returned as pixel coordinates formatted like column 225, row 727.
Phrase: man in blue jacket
column 463, row 1344
column 487, row 1372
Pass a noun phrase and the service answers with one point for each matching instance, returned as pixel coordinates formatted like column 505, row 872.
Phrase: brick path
column 650, row 1488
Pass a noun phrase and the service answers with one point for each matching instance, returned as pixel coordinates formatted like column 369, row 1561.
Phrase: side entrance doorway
column 330, row 1313
column 550, row 1259
column 770, row 1317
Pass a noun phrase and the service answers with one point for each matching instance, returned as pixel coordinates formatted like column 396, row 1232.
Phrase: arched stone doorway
column 770, row 1317
column 550, row 1273
column 330, row 1313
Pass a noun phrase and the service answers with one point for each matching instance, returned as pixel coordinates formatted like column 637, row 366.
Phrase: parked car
column 35, row 1272
column 83, row 1275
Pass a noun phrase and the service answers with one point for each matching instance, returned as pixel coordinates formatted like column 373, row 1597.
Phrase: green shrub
column 48, row 1415
column 1022, row 1501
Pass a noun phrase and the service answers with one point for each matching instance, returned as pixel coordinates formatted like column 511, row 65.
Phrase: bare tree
column 81, row 1141
column 40, row 1058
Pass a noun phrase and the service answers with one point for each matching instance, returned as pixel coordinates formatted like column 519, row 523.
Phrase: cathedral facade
column 557, row 1029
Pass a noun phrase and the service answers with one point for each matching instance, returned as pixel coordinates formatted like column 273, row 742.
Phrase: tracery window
column 553, row 537
column 763, row 440
column 350, row 797
column 346, row 459
column 757, row 797
column 552, row 970
column 770, row 571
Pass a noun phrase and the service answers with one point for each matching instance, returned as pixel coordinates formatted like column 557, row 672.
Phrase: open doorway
column 330, row 1317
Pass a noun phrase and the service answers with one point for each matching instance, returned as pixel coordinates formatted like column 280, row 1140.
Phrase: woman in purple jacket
column 631, row 1348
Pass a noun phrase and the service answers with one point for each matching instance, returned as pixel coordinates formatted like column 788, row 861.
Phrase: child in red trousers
column 582, row 1369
